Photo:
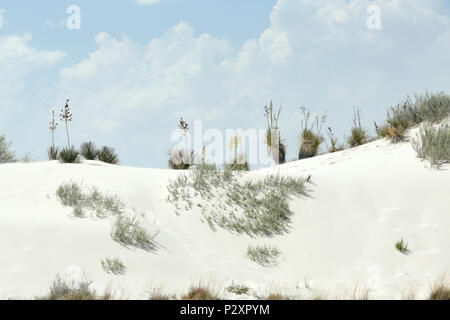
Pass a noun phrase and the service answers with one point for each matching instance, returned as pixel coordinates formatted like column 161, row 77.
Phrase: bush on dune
column 358, row 135
column 432, row 143
column 108, row 155
column 69, row 155
column 89, row 151
column 5, row 154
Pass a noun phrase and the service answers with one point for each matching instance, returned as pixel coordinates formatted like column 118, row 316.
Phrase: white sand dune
column 361, row 202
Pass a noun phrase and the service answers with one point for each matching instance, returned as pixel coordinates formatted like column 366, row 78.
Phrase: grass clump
column 88, row 199
column 69, row 155
column 440, row 290
column 259, row 208
column 89, row 151
column 402, row 246
column 238, row 289
column 6, row 155
column 433, row 144
column 265, row 256
column 128, row 232
column 358, row 135
column 108, row 155
column 311, row 137
column 113, row 265
column 53, row 153
column 201, row 292
column 273, row 140
column 63, row 290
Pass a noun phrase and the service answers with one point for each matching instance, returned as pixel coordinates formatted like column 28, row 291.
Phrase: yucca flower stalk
column 53, row 125
column 66, row 116
column 273, row 140
column 311, row 137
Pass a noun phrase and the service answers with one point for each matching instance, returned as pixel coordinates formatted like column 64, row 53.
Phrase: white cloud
column 147, row 2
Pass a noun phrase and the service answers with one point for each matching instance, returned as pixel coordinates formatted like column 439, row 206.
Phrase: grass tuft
column 89, row 151
column 53, row 153
column 201, row 292
column 108, row 155
column 440, row 290
column 114, row 266
column 265, row 256
column 69, row 155
column 128, row 232
column 433, row 144
column 402, row 246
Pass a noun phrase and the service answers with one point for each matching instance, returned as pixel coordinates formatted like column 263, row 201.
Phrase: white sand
column 362, row 201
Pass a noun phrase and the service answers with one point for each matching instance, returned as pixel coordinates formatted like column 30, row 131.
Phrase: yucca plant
column 69, row 155
column 358, row 134
column 273, row 139
column 53, row 153
column 179, row 160
column 334, row 142
column 89, row 151
column 108, row 155
column 311, row 137
column 239, row 162
column 66, row 116
column 5, row 154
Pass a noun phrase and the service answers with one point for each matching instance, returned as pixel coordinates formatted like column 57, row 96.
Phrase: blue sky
column 133, row 69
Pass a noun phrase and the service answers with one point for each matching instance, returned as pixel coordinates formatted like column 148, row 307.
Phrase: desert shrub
column 6, row 155
column 402, row 246
column 440, row 290
column 201, row 291
column 433, row 144
column 128, row 232
column 311, row 137
column 113, row 265
column 53, row 153
column 258, row 208
column 358, row 135
column 180, row 159
column 238, row 289
column 334, row 142
column 273, row 136
column 108, row 155
column 83, row 199
column 89, row 151
column 265, row 256
column 69, row 155
column 64, row 290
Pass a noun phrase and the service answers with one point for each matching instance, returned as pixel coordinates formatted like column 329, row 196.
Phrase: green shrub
column 128, row 232
column 63, row 290
column 180, row 160
column 433, row 144
column 402, row 246
column 238, row 289
column 265, row 256
column 114, row 266
column 5, row 154
column 69, row 155
column 311, row 137
column 358, row 135
column 258, row 208
column 89, row 151
column 108, row 155
column 273, row 136
column 53, row 153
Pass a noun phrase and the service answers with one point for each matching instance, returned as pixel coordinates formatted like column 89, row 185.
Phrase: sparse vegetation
column 334, row 142
column 5, row 154
column 402, row 246
column 88, row 199
column 66, row 116
column 440, row 289
column 113, row 265
column 433, row 144
column 69, row 155
column 179, row 160
column 201, row 291
column 89, row 151
column 265, row 256
column 311, row 137
column 273, row 137
column 53, row 153
column 128, row 232
column 258, row 208
column 238, row 289
column 108, row 155
column 358, row 134
column 239, row 163
column 64, row 290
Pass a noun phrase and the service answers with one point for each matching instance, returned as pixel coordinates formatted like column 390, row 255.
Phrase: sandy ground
column 361, row 202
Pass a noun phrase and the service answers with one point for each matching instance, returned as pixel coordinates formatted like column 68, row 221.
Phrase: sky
column 134, row 67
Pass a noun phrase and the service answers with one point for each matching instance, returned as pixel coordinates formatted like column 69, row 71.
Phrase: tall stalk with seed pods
column 66, row 116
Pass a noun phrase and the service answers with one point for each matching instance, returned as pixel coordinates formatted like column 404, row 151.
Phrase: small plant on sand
column 66, row 116
column 265, row 256
column 433, row 144
column 273, row 140
column 440, row 289
column 334, row 142
column 65, row 290
column 5, row 154
column 69, row 155
column 89, row 151
column 238, row 289
column 108, row 155
column 129, row 232
column 311, row 137
column 179, row 160
column 402, row 246
column 238, row 163
column 52, row 150
column 201, row 291
column 113, row 265
column 358, row 134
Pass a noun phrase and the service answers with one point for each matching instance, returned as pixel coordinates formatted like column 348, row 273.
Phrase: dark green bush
column 89, row 151
column 69, row 155
column 108, row 155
